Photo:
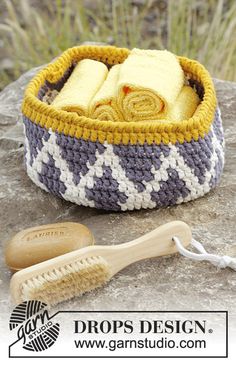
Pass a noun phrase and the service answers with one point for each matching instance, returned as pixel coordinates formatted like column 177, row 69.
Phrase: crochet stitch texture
column 121, row 165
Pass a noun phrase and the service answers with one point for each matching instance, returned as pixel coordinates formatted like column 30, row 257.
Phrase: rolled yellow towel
column 185, row 105
column 149, row 81
column 104, row 106
column 80, row 88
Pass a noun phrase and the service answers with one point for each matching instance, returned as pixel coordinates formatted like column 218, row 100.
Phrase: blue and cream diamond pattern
column 123, row 177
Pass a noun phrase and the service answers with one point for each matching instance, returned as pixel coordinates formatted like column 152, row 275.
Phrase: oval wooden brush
column 77, row 272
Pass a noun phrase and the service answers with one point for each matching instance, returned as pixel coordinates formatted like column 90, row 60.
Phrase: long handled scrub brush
column 80, row 271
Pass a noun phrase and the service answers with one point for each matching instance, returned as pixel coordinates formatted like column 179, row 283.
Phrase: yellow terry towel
column 185, row 105
column 104, row 106
column 80, row 88
column 149, row 82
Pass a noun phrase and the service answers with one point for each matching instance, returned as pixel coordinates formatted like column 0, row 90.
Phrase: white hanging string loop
column 217, row 260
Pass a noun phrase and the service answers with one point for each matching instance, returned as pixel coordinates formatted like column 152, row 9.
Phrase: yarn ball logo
column 34, row 326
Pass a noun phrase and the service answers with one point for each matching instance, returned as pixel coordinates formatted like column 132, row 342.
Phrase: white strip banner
column 120, row 334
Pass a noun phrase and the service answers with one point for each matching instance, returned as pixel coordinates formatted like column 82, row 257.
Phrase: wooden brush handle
column 155, row 243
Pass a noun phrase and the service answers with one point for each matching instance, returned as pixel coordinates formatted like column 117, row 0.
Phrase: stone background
column 170, row 283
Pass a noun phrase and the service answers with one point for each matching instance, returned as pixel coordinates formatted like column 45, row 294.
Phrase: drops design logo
column 33, row 325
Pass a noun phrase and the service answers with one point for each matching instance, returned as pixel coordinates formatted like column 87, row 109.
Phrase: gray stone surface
column 171, row 283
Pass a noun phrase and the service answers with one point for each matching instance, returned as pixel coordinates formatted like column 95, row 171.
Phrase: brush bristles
column 67, row 281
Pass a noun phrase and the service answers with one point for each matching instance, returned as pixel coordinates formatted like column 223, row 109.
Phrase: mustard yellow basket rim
column 71, row 124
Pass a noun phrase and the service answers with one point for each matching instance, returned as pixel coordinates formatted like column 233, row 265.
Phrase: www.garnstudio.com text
column 146, row 343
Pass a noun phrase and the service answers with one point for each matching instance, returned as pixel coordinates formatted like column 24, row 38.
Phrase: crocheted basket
column 124, row 165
